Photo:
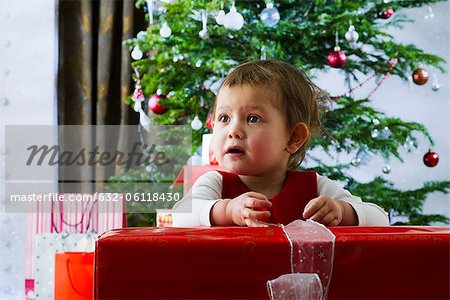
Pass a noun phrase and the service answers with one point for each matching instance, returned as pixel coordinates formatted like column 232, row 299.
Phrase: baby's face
column 250, row 134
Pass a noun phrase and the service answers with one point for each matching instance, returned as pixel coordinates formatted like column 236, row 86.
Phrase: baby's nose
column 235, row 131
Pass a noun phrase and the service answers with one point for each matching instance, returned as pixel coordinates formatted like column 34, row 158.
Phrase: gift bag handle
column 72, row 284
column 85, row 211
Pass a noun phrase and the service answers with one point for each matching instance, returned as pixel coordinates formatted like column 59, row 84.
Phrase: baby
column 263, row 118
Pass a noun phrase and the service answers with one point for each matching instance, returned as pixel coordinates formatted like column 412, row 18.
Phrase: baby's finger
column 320, row 214
column 330, row 219
column 253, row 202
column 254, row 223
column 256, row 195
column 314, row 206
column 268, row 224
column 255, row 215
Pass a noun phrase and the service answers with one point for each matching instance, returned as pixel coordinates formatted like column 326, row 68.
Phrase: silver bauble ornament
column 270, row 15
column 386, row 169
column 356, row 161
column 436, row 86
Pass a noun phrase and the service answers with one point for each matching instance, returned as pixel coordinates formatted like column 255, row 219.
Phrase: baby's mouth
column 235, row 151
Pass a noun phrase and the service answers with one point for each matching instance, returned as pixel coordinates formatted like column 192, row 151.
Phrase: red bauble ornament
column 387, row 13
column 337, row 59
column 209, row 121
column 430, row 159
column 155, row 104
column 420, row 76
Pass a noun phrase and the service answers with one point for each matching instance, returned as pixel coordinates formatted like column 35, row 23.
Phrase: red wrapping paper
column 174, row 263
column 400, row 262
column 233, row 262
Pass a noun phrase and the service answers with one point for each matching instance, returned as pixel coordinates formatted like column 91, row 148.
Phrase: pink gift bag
column 69, row 217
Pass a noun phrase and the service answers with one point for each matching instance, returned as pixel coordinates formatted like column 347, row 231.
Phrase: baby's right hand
column 248, row 209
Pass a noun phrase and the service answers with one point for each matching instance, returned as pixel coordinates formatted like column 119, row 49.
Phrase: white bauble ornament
column 351, row 35
column 196, row 124
column 136, row 54
column 165, row 30
column 233, row 19
column 203, row 34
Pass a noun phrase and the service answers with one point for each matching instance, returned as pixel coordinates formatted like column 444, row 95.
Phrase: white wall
column 28, row 54
column 415, row 103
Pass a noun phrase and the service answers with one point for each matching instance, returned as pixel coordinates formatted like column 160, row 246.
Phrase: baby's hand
column 249, row 209
column 324, row 210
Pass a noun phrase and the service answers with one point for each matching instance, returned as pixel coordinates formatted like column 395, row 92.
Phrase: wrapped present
column 176, row 263
column 163, row 218
column 207, row 263
column 239, row 262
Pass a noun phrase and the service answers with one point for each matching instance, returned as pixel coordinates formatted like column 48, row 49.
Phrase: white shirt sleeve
column 194, row 209
column 369, row 214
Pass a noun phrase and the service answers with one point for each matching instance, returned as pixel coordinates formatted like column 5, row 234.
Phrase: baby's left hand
column 324, row 210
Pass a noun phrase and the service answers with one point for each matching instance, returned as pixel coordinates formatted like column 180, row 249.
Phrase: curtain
column 94, row 77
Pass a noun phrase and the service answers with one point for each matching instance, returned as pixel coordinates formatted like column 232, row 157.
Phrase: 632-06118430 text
column 153, row 197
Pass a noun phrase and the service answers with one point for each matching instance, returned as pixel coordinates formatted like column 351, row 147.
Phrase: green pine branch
column 407, row 203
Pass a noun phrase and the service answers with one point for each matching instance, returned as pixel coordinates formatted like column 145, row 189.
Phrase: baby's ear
column 299, row 135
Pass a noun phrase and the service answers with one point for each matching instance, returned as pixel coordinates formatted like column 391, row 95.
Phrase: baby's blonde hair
column 301, row 99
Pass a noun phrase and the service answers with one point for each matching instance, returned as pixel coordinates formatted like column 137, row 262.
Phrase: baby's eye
column 223, row 118
column 253, row 119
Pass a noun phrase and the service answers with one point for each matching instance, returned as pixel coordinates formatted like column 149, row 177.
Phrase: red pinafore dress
column 288, row 205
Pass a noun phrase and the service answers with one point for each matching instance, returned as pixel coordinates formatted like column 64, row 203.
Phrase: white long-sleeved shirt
column 194, row 209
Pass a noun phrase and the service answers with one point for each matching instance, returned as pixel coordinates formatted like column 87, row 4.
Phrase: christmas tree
column 190, row 46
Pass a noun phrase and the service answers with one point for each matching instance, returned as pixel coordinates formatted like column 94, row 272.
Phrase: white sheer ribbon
column 312, row 254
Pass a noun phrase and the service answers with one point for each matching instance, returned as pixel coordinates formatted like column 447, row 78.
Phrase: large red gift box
column 234, row 262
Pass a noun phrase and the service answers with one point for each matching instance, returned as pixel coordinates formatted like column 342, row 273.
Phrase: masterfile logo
column 109, row 161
